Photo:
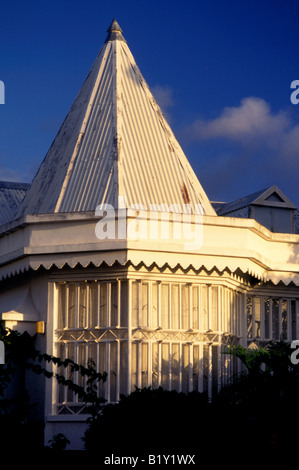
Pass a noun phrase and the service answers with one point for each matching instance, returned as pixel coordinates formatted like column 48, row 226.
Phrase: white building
column 150, row 309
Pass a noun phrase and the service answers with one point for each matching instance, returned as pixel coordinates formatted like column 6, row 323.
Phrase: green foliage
column 16, row 411
column 59, row 442
column 251, row 358
column 149, row 420
column 257, row 406
column 255, row 410
column 263, row 399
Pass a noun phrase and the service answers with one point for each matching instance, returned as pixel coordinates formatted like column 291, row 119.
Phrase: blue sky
column 221, row 71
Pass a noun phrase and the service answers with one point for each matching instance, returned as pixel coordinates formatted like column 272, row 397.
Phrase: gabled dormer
column 270, row 207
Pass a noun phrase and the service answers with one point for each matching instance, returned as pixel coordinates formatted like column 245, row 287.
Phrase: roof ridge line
column 116, row 113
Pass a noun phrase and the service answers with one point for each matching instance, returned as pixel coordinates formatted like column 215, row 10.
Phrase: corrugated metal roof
column 11, row 196
column 114, row 142
column 239, row 203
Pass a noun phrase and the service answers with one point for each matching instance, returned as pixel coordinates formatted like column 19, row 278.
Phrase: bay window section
column 166, row 305
column 87, row 314
column 272, row 318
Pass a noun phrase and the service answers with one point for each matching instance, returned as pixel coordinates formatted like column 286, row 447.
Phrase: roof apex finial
column 114, row 32
column 114, row 27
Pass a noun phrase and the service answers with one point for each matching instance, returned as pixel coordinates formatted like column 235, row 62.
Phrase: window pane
column 124, row 367
column 134, row 363
column 144, row 312
column 114, row 303
column 155, row 365
column 214, row 309
column 249, row 317
column 135, row 303
column 81, row 361
column 61, row 306
column 267, row 317
column 165, row 366
column 293, row 318
column 195, row 367
column 61, row 371
column 164, row 306
column 103, row 304
column 82, row 306
column 113, row 371
column 92, row 352
column 225, row 309
column 257, row 316
column 185, row 371
column 204, row 307
column 93, row 305
column 71, row 305
column 69, row 373
column 275, row 319
column 175, row 306
column 154, row 305
column 205, row 364
column 195, row 307
column 284, row 313
column 175, row 385
column 144, row 371
column 102, row 368
column 215, row 369
column 185, row 307
column 124, row 304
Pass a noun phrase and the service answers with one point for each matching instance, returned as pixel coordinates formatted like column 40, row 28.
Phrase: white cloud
column 253, row 126
column 252, row 119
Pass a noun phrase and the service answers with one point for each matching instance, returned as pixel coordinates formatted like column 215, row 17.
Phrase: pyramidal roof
column 113, row 142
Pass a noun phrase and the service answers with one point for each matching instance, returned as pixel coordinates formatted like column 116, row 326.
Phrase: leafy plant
column 59, row 442
column 16, row 410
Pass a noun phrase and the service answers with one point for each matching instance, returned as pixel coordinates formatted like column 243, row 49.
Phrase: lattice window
column 88, row 312
column 272, row 318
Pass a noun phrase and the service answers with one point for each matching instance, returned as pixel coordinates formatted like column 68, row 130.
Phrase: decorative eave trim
column 110, row 259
